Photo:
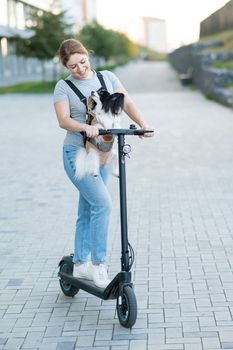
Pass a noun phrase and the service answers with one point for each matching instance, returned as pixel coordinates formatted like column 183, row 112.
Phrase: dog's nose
column 92, row 93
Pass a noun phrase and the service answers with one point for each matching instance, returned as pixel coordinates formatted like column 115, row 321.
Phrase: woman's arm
column 132, row 111
column 62, row 110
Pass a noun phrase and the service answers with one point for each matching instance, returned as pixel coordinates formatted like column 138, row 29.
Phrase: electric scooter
column 121, row 287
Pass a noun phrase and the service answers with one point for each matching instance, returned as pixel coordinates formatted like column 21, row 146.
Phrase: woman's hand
column 147, row 134
column 91, row 130
column 133, row 112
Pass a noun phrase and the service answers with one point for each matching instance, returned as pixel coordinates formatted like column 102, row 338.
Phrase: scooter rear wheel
column 127, row 307
column 67, row 288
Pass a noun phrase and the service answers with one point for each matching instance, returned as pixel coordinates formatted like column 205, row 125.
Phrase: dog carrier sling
column 105, row 145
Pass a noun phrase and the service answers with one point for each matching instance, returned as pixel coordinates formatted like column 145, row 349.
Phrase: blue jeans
column 94, row 210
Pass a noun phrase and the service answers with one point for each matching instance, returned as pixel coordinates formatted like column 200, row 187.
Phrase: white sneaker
column 82, row 271
column 99, row 275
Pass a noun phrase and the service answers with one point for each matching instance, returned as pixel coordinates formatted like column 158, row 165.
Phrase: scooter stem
column 123, row 205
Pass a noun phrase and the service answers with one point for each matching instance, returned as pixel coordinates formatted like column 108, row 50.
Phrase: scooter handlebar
column 124, row 131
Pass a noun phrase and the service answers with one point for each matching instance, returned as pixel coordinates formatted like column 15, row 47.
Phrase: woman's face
column 79, row 66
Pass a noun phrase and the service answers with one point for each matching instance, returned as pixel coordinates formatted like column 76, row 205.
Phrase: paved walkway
column 180, row 198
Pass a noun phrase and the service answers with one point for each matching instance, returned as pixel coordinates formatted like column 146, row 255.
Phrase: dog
column 104, row 110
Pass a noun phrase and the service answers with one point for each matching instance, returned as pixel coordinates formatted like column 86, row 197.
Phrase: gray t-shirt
column 63, row 92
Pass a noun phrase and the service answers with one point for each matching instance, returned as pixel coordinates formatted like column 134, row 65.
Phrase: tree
column 107, row 43
column 49, row 30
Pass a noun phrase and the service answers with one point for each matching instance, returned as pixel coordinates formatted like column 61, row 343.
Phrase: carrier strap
column 82, row 98
column 101, row 79
column 77, row 92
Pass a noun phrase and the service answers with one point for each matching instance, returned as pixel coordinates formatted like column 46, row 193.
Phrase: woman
column 94, row 200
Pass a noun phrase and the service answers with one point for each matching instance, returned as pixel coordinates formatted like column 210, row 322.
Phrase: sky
column 182, row 16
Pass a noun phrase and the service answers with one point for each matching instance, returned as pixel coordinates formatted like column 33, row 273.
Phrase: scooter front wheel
column 127, row 307
column 67, row 288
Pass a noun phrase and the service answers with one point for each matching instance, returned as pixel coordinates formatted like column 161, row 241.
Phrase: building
column 154, row 34
column 149, row 32
column 15, row 16
column 79, row 12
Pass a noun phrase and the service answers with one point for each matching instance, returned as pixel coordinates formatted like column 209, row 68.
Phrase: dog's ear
column 117, row 103
column 90, row 103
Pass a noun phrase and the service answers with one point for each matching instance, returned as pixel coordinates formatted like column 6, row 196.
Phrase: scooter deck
column 110, row 292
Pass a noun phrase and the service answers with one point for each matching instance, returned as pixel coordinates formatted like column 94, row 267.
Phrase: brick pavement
column 180, row 200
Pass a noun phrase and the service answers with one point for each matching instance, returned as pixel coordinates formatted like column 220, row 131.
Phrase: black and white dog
column 104, row 110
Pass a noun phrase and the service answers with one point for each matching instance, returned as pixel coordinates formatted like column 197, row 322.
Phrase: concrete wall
column 219, row 21
column 211, row 81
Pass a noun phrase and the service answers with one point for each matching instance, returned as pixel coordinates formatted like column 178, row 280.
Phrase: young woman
column 94, row 206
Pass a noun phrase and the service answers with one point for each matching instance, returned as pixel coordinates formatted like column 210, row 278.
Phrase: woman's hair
column 69, row 47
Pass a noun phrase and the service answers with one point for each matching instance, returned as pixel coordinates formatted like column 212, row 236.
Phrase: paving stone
column 14, row 343
column 104, row 334
column 66, row 346
column 90, row 348
column 138, row 345
column 85, row 340
column 50, row 346
column 193, row 347
column 14, row 282
column 211, row 343
column 156, row 339
column 227, row 345
column 167, row 347
column 173, row 332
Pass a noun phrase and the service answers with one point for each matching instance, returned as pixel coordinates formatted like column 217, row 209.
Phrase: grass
column 151, row 55
column 223, row 64
column 112, row 66
column 32, row 87
column 157, row 56
column 229, row 86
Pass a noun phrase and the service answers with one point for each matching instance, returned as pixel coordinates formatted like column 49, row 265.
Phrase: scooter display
column 121, row 287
